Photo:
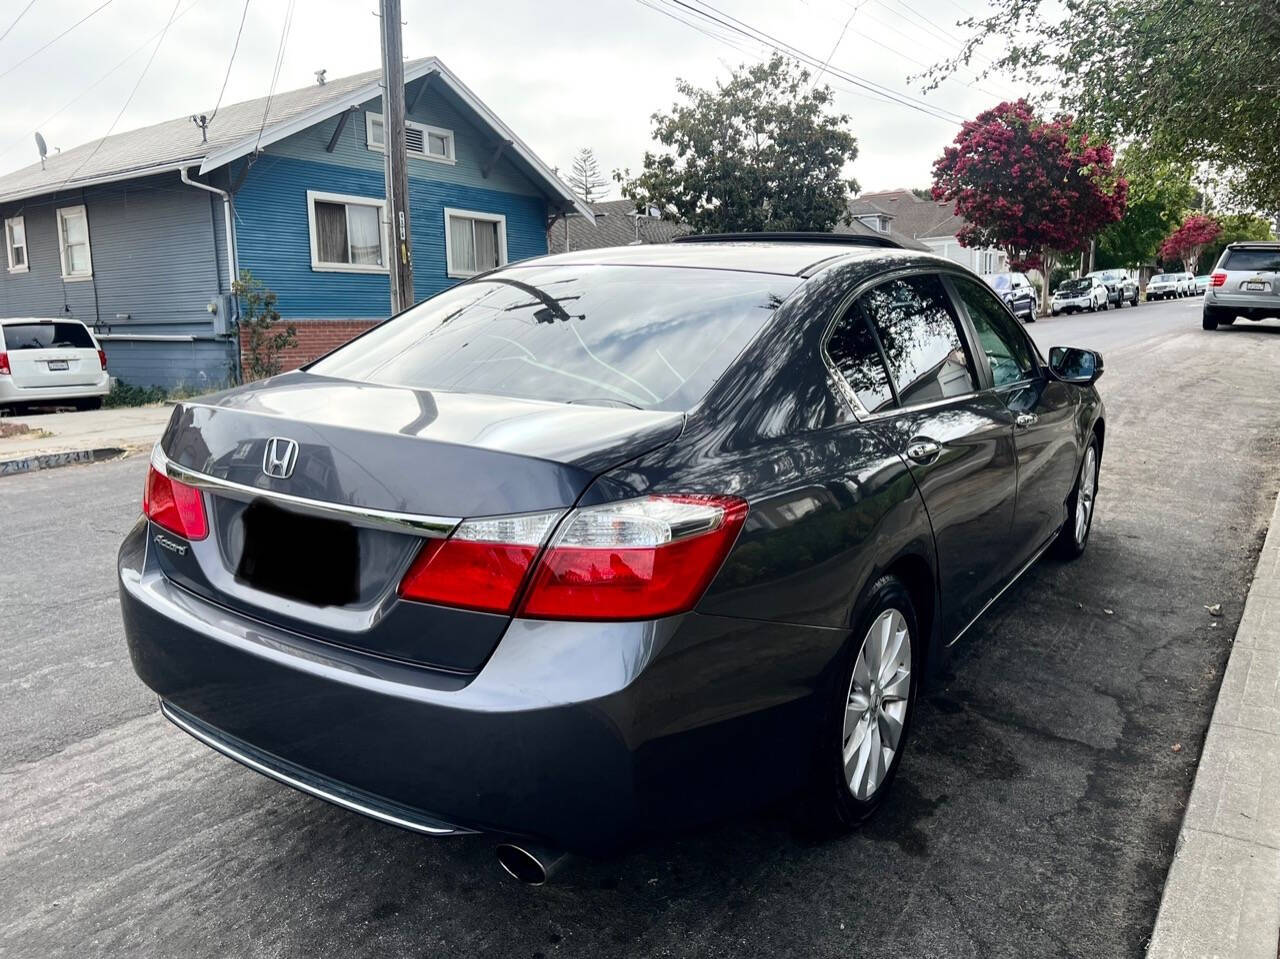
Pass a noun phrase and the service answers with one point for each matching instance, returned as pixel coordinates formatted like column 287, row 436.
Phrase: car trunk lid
column 365, row 476
column 49, row 354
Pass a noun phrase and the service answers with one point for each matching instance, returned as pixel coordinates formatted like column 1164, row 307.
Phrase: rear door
column 1044, row 412
column 956, row 438
column 47, row 354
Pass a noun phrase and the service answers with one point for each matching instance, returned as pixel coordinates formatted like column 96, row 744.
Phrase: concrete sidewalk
column 58, row 439
column 1222, row 896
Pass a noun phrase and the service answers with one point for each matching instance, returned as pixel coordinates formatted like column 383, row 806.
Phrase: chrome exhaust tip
column 530, row 864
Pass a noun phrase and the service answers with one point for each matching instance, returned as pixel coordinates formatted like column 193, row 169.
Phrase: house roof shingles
column 615, row 225
column 912, row 216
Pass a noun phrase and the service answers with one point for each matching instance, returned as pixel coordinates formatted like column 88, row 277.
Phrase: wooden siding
column 156, row 264
column 274, row 243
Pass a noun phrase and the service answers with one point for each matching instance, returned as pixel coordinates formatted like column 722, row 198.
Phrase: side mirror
column 1073, row 365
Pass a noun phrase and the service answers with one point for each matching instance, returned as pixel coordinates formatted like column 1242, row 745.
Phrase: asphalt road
column 1034, row 816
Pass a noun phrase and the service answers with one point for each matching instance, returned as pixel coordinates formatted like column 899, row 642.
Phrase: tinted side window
column 42, row 336
column 1008, row 353
column 921, row 339
column 853, row 350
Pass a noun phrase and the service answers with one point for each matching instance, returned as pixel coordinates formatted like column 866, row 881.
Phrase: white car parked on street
column 51, row 361
column 1084, row 293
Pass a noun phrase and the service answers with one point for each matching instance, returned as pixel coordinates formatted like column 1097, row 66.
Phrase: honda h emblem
column 279, row 457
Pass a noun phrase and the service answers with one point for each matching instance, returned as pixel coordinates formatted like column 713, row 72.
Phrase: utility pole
column 395, row 167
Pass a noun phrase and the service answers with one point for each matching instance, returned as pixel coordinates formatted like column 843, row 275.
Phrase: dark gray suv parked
column 602, row 543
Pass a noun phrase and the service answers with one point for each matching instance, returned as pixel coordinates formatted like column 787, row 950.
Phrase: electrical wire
column 275, row 74
column 17, row 141
column 22, row 13
column 760, row 36
column 227, row 76
column 41, row 49
column 129, row 99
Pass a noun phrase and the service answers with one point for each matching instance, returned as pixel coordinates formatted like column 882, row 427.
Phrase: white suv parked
column 48, row 361
column 1245, row 283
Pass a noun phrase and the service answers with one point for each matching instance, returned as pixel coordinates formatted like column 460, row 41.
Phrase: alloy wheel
column 1086, row 493
column 876, row 708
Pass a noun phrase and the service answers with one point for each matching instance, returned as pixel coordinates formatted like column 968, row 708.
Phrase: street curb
column 1221, row 899
column 48, row 461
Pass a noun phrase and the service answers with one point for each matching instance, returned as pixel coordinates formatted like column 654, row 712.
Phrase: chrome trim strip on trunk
column 419, row 524
column 310, row 788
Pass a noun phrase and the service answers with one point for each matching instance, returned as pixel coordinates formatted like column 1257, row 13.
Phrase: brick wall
column 315, row 338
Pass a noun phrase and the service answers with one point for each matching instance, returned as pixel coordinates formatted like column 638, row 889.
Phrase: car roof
column 1254, row 244
column 10, row 320
column 783, row 258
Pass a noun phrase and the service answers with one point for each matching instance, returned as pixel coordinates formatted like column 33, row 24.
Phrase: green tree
column 762, row 151
column 1160, row 194
column 1236, row 227
column 265, row 337
column 585, row 177
column 1197, row 81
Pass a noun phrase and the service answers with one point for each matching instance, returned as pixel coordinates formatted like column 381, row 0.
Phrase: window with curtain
column 347, row 233
column 73, row 240
column 477, row 242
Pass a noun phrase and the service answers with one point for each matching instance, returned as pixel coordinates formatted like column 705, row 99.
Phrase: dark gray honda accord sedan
column 609, row 542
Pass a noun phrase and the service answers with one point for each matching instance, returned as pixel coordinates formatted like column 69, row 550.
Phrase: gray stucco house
column 140, row 234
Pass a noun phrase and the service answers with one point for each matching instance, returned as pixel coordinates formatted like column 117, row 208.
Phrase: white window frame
column 62, row 242
column 370, row 117
column 10, row 246
column 321, row 266
column 498, row 218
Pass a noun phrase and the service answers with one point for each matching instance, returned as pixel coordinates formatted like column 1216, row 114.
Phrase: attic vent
column 413, row 142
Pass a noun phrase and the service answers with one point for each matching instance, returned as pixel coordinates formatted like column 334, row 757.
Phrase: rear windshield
column 1252, row 260
column 649, row 337
column 42, row 336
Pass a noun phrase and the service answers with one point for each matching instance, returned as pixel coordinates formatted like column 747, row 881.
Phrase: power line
column 8, row 148
column 97, row 9
column 236, row 46
column 20, row 15
column 760, row 36
column 275, row 74
column 129, row 99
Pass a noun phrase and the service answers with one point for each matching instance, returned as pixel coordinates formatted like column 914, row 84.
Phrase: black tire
column 831, row 807
column 91, row 403
column 1069, row 545
column 1211, row 318
column 1134, row 301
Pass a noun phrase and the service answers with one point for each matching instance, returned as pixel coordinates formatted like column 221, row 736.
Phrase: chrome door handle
column 924, row 451
column 1025, row 420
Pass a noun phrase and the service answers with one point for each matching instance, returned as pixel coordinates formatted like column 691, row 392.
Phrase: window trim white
column 498, row 218
column 370, row 117
column 60, row 221
column 10, row 246
column 321, row 266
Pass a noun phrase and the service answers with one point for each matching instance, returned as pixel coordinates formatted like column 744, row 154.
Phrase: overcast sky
column 562, row 74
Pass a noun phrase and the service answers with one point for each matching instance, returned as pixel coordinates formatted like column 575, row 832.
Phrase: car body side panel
column 1049, row 452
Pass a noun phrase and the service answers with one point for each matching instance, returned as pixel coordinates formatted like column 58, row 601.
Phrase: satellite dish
column 42, row 147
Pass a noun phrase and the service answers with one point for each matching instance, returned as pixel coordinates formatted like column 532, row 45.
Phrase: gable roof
column 241, row 128
column 858, row 228
column 912, row 216
column 616, row 224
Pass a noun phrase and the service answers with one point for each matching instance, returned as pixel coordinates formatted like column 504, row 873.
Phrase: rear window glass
column 649, row 337
column 1252, row 260
column 42, row 336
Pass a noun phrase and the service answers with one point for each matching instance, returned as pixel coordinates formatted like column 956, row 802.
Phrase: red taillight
column 102, row 358
column 4, row 363
column 177, row 507
column 481, row 566
column 639, row 559
column 1218, row 278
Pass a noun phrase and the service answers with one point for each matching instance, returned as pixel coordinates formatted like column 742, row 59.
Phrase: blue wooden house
column 140, row 234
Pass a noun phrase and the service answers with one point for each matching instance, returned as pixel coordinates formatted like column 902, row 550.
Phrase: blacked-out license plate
column 308, row 558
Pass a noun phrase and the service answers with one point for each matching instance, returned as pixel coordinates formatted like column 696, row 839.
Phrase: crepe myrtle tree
column 1035, row 188
column 1188, row 241
column 760, row 151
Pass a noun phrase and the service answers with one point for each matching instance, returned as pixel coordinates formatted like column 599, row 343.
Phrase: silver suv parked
column 1245, row 283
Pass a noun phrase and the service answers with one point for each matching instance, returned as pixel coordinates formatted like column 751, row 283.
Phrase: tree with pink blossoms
column 1188, row 241
column 1035, row 188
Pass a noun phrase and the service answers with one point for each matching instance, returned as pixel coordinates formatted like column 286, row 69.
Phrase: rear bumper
column 11, row 393
column 1243, row 304
column 582, row 736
